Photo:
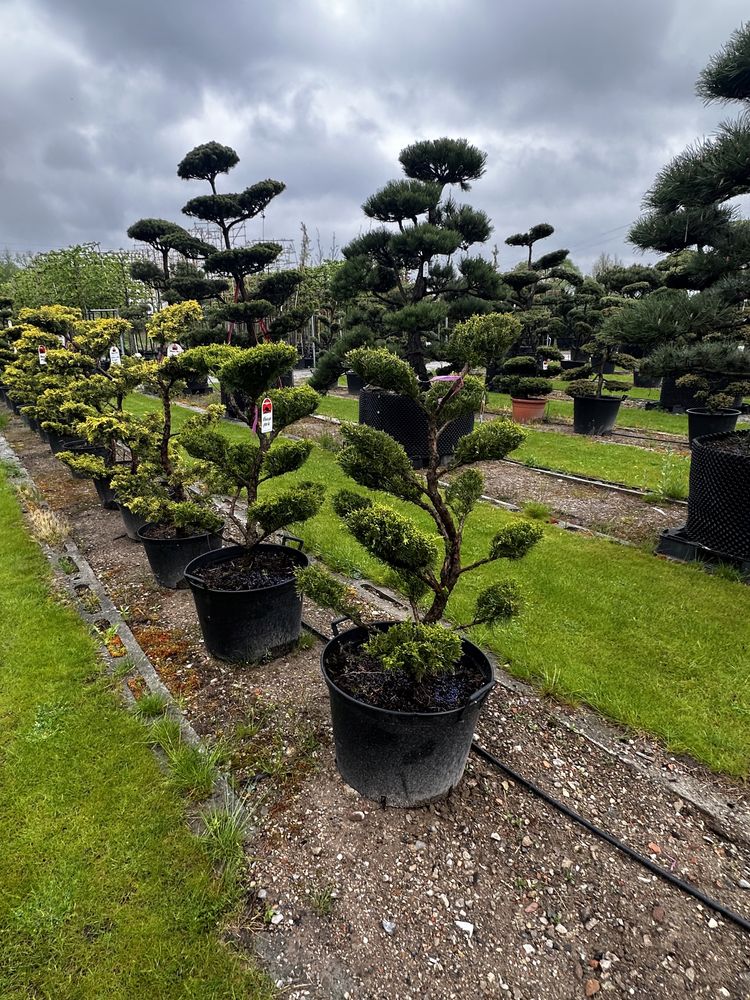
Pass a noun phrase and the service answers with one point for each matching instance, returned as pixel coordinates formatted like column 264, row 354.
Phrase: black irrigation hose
column 678, row 883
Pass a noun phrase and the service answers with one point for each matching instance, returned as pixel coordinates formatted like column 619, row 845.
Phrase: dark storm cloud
column 577, row 104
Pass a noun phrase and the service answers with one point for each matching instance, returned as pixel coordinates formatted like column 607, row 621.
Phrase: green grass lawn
column 105, row 891
column 576, row 454
column 656, row 645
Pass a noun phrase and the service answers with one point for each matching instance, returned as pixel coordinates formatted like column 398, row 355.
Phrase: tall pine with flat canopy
column 414, row 261
column 705, row 240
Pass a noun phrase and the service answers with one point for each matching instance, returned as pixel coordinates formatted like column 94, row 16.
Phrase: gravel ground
column 487, row 894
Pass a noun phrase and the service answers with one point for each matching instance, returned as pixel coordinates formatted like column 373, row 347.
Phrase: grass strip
column 105, row 891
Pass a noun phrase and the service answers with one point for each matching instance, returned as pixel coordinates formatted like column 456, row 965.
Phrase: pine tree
column 406, row 262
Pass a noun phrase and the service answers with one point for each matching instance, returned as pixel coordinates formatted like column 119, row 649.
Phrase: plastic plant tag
column 114, row 356
column 266, row 416
column 42, row 354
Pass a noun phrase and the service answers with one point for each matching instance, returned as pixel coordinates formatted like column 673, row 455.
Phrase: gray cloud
column 577, row 104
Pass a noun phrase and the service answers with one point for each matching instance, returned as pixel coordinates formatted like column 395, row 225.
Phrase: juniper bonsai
column 521, row 379
column 428, row 566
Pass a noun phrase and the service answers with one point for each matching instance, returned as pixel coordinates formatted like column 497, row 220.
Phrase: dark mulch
column 734, row 444
column 169, row 531
column 250, row 571
column 363, row 677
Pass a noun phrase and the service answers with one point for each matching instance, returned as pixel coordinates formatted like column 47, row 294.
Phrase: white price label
column 42, row 354
column 266, row 416
column 114, row 356
column 174, row 350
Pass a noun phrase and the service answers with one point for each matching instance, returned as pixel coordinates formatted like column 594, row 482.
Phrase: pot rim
column 529, row 399
column 228, row 553
column 477, row 696
column 185, row 538
column 724, row 411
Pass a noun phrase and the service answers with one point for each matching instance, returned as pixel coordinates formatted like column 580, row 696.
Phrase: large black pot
column 718, row 508
column 702, row 422
column 354, row 383
column 402, row 418
column 103, row 487
column 168, row 557
column 594, row 414
column 401, row 758
column 58, row 442
column 133, row 523
column 198, row 385
column 570, row 365
column 244, row 625
column 645, row 381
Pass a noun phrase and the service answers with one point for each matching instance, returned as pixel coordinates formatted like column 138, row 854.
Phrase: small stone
column 690, row 975
column 262, row 893
column 647, row 941
column 466, row 927
column 356, row 816
column 743, row 883
column 561, row 929
column 529, row 949
column 659, row 913
column 351, row 792
column 419, row 845
column 713, row 924
column 389, row 926
column 724, row 992
column 277, row 918
column 654, row 848
column 495, row 836
column 317, row 850
column 526, row 842
column 592, row 986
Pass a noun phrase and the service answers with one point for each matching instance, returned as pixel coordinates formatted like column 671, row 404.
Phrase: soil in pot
column 169, row 551
column 702, row 421
column 363, row 677
column 247, row 601
column 251, row 571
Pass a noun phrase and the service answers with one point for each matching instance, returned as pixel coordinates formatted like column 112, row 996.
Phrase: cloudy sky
column 577, row 103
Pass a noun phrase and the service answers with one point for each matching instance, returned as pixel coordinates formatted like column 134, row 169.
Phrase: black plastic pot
column 197, row 386
column 168, row 557
column 58, row 442
column 702, row 422
column 718, row 508
column 594, row 414
column 570, row 365
column 354, row 383
column 244, row 625
column 402, row 418
column 133, row 522
column 401, row 758
column 286, row 381
column 103, row 487
column 645, row 381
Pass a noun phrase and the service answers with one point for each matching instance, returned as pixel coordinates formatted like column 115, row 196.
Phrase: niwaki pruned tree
column 414, row 260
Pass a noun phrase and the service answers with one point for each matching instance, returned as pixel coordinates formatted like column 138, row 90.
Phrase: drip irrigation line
column 655, row 869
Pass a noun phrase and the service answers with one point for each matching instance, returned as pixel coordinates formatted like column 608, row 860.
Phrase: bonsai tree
column 591, row 380
column 408, row 268
column 712, row 401
column 521, row 380
column 240, row 469
column 428, row 567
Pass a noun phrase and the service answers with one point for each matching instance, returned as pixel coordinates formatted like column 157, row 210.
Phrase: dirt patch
column 612, row 512
column 487, row 894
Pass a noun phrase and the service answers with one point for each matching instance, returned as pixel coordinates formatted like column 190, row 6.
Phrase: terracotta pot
column 527, row 410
